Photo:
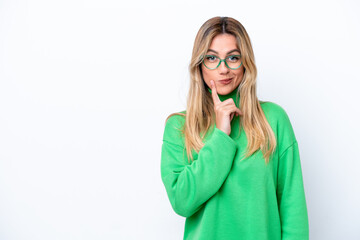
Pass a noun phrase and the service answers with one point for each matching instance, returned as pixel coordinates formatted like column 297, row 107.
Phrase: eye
column 211, row 58
column 233, row 58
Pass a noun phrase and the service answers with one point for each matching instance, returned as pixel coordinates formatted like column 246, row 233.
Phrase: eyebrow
column 234, row 50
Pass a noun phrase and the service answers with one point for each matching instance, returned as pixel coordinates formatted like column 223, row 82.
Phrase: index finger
column 214, row 94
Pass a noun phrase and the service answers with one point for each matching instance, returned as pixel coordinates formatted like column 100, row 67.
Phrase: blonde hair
column 200, row 115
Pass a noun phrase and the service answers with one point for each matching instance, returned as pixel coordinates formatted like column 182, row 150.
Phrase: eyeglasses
column 212, row 62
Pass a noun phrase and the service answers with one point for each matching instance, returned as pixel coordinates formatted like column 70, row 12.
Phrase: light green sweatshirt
column 224, row 198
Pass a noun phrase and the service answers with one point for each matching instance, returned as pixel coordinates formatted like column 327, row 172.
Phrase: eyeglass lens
column 233, row 61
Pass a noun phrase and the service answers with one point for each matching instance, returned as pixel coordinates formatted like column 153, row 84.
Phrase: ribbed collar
column 230, row 95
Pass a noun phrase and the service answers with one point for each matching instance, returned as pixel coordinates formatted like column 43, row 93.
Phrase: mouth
column 225, row 81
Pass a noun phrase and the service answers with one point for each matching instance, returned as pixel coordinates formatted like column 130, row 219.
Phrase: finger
column 234, row 110
column 228, row 101
column 231, row 116
column 214, row 94
column 238, row 112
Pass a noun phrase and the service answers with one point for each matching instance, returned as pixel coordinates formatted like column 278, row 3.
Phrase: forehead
column 223, row 43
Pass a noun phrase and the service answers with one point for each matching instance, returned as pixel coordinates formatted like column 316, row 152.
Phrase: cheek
column 240, row 73
column 211, row 74
column 207, row 75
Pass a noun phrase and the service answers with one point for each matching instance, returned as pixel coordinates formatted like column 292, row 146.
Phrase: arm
column 189, row 186
column 291, row 196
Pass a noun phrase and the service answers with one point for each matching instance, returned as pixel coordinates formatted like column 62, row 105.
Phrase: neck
column 229, row 95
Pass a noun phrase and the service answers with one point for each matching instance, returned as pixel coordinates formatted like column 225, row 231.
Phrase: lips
column 226, row 81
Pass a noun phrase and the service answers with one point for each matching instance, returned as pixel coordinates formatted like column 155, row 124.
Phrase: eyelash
column 226, row 57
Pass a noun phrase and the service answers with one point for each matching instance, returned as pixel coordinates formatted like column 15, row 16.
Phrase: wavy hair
column 200, row 114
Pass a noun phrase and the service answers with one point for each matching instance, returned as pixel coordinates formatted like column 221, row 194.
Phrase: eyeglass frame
column 221, row 60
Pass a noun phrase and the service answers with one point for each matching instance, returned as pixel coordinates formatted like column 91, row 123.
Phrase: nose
column 223, row 68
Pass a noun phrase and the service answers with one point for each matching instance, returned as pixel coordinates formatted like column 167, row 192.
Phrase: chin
column 224, row 90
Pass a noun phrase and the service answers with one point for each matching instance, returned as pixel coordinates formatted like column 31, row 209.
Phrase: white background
column 85, row 87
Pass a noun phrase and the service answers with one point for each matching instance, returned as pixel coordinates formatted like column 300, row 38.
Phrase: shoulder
column 173, row 128
column 279, row 121
column 176, row 119
column 274, row 112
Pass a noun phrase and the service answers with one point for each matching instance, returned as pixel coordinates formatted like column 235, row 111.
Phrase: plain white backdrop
column 86, row 86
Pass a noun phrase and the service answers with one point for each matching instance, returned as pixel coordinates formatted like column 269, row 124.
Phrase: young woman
column 230, row 163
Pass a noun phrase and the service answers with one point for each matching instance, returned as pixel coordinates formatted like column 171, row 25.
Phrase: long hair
column 200, row 114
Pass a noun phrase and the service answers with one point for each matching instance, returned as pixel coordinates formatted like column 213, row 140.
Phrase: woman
column 230, row 163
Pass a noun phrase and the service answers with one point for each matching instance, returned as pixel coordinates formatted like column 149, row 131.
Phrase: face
column 222, row 46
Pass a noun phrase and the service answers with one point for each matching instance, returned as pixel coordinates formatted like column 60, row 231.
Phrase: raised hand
column 224, row 111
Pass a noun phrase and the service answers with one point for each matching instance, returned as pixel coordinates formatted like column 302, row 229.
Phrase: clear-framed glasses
column 212, row 62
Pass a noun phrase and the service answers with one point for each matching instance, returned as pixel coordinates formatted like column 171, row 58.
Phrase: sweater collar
column 229, row 95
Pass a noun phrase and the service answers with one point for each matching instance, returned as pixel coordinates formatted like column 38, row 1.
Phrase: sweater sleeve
column 291, row 196
column 189, row 186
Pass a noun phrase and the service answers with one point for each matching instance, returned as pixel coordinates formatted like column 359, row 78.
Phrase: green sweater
column 224, row 198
